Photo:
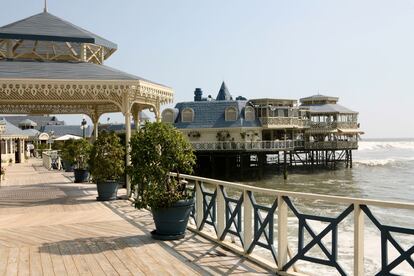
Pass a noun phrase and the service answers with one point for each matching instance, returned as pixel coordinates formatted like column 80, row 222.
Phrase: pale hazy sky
column 361, row 51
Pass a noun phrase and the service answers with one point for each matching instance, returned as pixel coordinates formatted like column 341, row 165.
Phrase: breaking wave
column 383, row 162
column 385, row 145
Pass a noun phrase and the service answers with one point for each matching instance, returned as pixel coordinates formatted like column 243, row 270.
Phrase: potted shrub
column 81, row 150
column 107, row 165
column 67, row 154
column 156, row 150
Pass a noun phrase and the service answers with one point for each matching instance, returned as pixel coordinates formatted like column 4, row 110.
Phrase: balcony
column 331, row 145
column 280, row 122
column 273, row 145
column 244, row 146
column 334, row 125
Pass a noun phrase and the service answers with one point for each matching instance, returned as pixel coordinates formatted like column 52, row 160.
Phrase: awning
column 321, row 131
column 350, row 130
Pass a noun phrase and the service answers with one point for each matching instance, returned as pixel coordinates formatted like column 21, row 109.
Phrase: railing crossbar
column 256, row 225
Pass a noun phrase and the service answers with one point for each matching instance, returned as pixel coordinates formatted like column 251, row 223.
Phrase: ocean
column 382, row 169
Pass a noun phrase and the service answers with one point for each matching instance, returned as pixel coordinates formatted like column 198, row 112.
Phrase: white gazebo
column 12, row 142
column 50, row 66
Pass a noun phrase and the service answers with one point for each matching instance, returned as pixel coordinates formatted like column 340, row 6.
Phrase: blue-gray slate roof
column 210, row 114
column 31, row 132
column 39, row 119
column 48, row 27
column 60, row 130
column 61, row 70
column 329, row 108
column 10, row 129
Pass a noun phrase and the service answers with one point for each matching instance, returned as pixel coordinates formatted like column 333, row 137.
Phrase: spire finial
column 45, row 8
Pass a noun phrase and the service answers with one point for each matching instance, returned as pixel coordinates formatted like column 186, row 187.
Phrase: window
column 249, row 113
column 187, row 115
column 231, row 114
column 168, row 116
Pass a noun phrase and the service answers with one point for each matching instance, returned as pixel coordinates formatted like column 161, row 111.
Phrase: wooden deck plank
column 91, row 262
column 57, row 260
column 35, row 262
column 125, row 259
column 24, row 261
column 113, row 259
column 12, row 262
column 78, row 259
column 4, row 255
column 163, row 259
column 102, row 260
column 46, row 261
column 50, row 226
column 67, row 259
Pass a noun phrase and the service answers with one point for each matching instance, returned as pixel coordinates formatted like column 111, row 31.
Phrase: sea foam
column 385, row 145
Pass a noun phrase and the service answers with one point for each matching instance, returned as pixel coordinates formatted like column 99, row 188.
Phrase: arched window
column 249, row 113
column 168, row 116
column 231, row 114
column 187, row 115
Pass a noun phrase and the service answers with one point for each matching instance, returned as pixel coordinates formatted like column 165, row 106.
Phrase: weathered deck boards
column 51, row 226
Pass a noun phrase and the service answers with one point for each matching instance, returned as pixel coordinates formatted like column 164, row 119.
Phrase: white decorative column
column 158, row 111
column 127, row 140
column 137, row 119
column 95, row 129
column 95, row 120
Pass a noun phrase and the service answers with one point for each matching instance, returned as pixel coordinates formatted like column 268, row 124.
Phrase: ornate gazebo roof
column 51, row 66
column 48, row 27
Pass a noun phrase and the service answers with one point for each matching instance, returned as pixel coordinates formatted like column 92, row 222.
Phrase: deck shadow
column 86, row 246
column 202, row 254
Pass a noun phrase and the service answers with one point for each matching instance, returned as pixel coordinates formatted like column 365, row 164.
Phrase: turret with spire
column 224, row 94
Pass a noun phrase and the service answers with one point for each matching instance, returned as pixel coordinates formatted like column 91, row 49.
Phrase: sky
column 359, row 50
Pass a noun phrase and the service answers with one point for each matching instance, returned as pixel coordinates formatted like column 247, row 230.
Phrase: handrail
column 266, row 226
column 271, row 145
column 328, row 198
column 252, row 145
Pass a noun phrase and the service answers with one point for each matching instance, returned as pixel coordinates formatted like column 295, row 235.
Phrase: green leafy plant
column 156, row 150
column 106, row 160
column 81, row 151
column 41, row 147
column 3, row 170
column 68, row 151
column 58, row 145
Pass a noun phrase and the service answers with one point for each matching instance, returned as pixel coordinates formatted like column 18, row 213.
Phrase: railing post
column 199, row 204
column 282, row 220
column 358, row 240
column 247, row 220
column 221, row 211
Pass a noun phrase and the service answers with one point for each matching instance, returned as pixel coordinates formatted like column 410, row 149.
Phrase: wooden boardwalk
column 51, row 226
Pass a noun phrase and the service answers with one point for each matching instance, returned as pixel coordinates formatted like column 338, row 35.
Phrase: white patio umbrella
column 68, row 137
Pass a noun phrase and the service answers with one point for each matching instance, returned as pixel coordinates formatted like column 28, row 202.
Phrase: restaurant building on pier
column 235, row 135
